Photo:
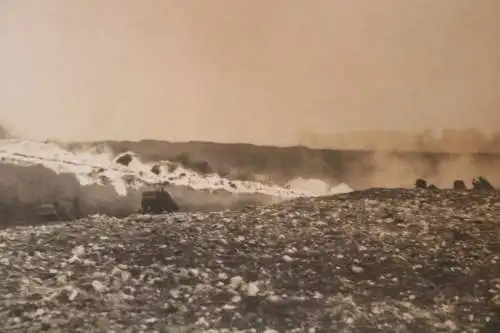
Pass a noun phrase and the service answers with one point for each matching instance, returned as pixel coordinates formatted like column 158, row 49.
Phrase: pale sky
column 257, row 71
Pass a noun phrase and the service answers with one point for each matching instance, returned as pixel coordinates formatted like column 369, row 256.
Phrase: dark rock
column 459, row 185
column 420, row 183
column 156, row 169
column 125, row 159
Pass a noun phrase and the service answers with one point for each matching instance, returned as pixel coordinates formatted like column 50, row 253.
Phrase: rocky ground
column 371, row 261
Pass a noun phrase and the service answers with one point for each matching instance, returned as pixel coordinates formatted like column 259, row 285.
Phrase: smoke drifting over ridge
column 253, row 71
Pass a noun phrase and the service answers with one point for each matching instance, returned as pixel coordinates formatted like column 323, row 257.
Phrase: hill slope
column 374, row 261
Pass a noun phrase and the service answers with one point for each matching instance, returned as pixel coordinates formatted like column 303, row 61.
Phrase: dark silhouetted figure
column 420, row 183
column 459, row 185
column 480, row 183
column 432, row 187
column 158, row 202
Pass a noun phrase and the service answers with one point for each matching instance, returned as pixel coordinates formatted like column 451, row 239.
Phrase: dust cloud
column 247, row 71
column 24, row 188
column 391, row 170
column 4, row 132
column 381, row 76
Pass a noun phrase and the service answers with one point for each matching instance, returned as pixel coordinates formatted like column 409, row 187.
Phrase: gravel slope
column 371, row 261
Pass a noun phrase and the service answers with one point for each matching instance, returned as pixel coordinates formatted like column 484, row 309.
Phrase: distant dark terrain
column 358, row 168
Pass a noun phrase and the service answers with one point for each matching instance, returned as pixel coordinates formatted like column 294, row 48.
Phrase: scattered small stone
column 236, row 299
column 252, row 289
column 174, row 293
column 78, row 250
column 98, row 286
column 73, row 294
column 433, row 269
column 236, row 282
column 357, row 269
column 273, row 298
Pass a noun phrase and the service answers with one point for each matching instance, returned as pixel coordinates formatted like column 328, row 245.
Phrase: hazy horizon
column 246, row 71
